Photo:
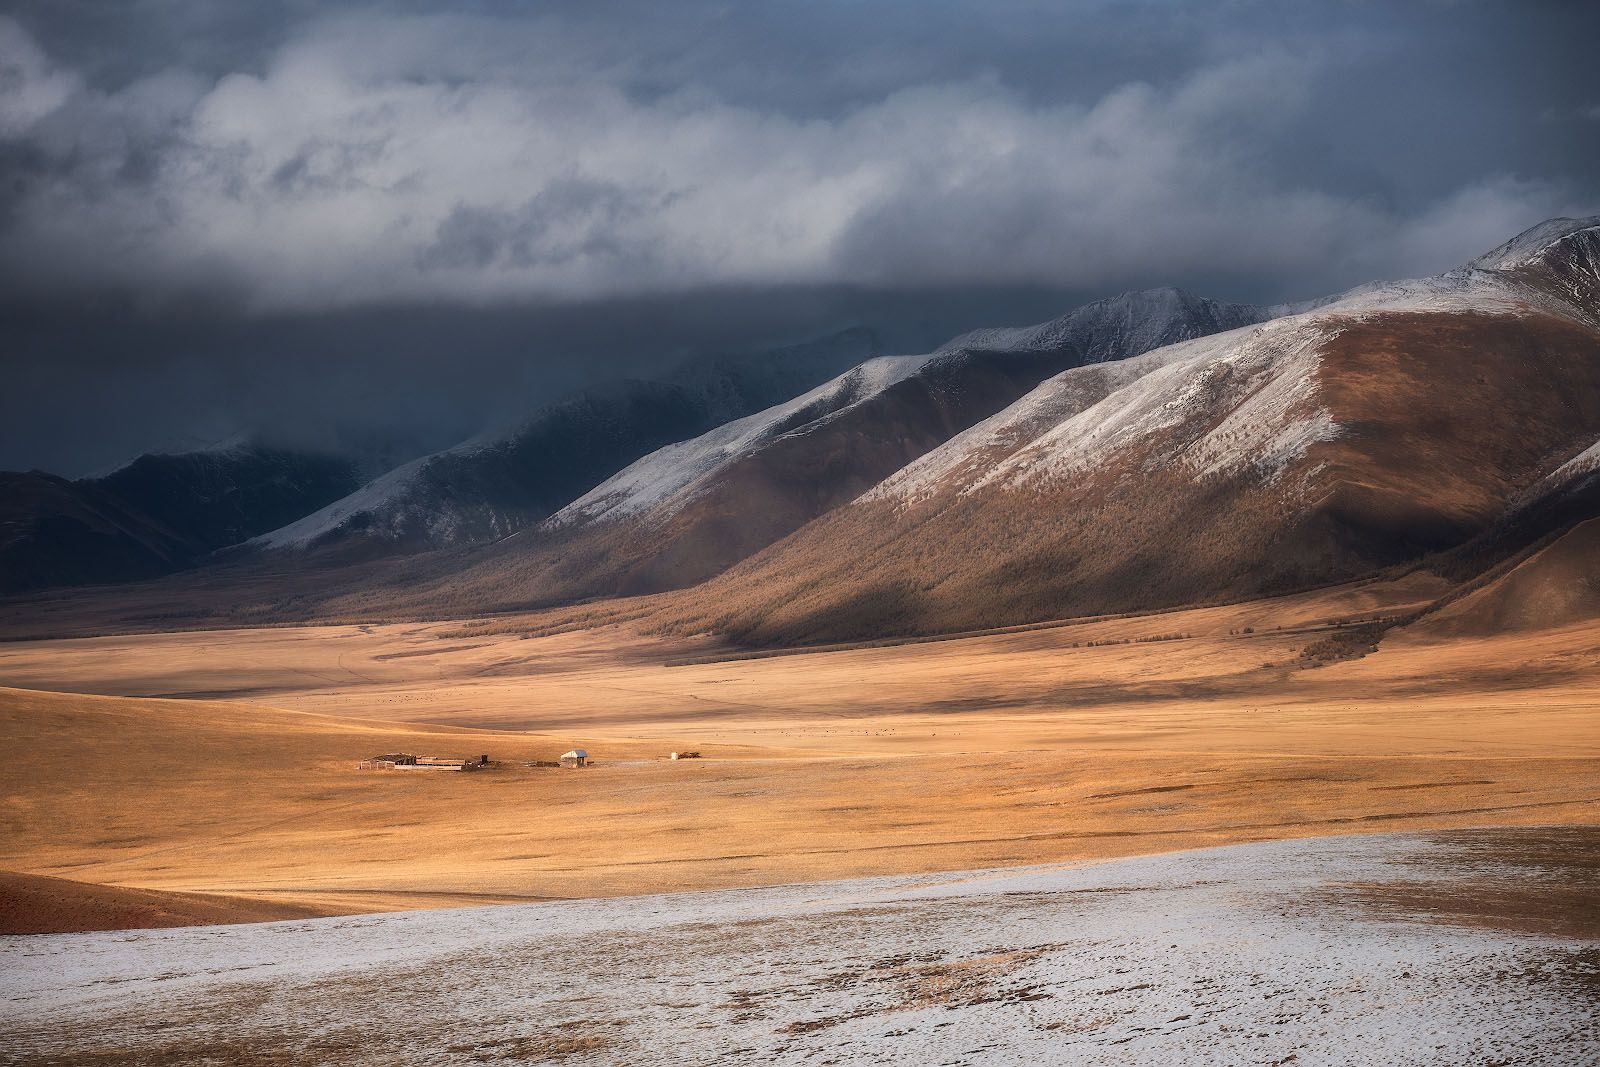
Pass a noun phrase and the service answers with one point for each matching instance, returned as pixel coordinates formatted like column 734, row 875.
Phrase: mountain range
column 688, row 511
column 1148, row 451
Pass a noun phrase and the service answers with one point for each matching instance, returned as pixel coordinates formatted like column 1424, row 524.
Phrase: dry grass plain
column 223, row 761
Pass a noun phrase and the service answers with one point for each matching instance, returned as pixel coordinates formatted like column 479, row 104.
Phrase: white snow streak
column 667, row 478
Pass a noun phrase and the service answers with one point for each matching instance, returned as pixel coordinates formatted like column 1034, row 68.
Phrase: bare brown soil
column 1535, row 883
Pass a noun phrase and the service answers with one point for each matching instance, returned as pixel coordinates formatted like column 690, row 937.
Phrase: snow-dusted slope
column 1365, row 950
column 1579, row 466
column 1079, row 419
column 1536, row 241
column 379, row 499
column 1553, row 267
column 1106, row 330
column 501, row 481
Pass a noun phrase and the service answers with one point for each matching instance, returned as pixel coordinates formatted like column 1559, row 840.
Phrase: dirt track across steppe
column 224, row 761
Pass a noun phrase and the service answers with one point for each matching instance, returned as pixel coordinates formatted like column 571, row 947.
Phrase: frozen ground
column 1464, row 948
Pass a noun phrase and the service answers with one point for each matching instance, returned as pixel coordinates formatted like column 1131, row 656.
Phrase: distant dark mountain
column 158, row 514
column 506, row 480
column 221, row 497
column 57, row 532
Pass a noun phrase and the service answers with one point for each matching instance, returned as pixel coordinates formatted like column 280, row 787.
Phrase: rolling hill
column 1556, row 585
column 35, row 904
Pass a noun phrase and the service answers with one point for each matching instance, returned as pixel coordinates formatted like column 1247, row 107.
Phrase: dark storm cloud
column 88, row 389
column 566, row 167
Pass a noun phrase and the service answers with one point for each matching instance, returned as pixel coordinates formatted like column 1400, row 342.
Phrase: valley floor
column 1462, row 947
column 223, row 762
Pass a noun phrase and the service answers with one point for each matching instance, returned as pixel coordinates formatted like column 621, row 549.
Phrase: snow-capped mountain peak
column 668, row 475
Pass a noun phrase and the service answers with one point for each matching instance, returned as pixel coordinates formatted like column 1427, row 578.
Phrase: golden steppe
column 224, row 761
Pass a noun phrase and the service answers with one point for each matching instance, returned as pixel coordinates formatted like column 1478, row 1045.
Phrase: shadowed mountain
column 505, row 480
column 1536, row 567
column 1377, row 428
column 158, row 514
column 57, row 532
column 1557, row 584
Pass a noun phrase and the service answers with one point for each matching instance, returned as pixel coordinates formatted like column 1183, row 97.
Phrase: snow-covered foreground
column 1257, row 954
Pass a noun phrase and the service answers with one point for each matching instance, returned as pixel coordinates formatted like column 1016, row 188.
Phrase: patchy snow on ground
column 1252, row 954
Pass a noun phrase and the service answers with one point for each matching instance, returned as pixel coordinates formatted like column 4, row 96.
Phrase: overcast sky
column 323, row 220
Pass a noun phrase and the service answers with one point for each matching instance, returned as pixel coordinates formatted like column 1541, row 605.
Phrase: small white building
column 576, row 758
